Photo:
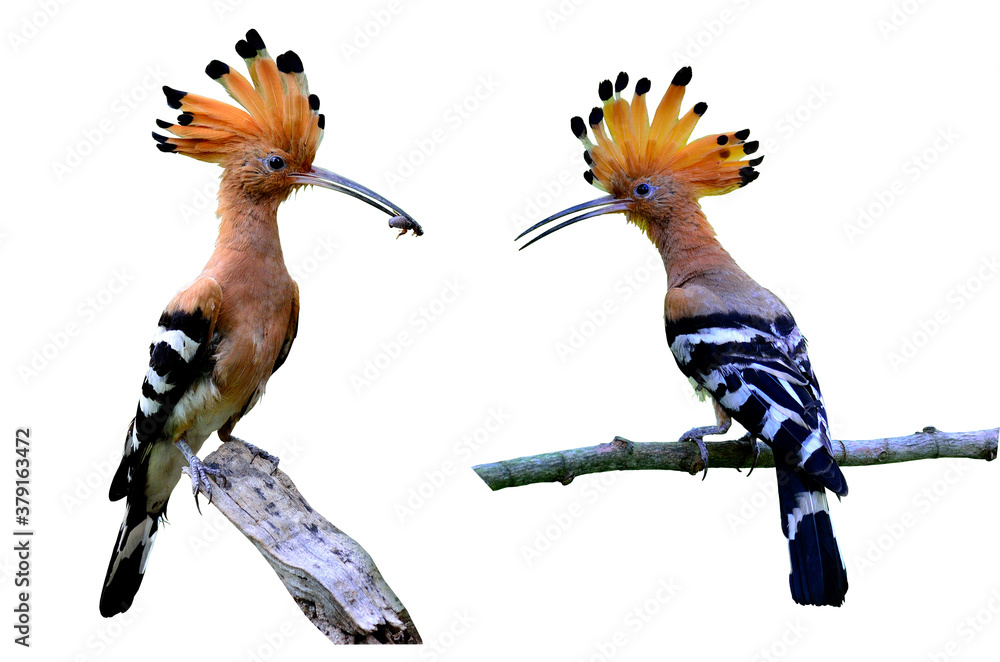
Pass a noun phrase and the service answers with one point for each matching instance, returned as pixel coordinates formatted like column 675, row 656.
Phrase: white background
column 844, row 101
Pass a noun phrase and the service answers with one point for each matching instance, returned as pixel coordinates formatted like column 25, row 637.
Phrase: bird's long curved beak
column 607, row 204
column 331, row 180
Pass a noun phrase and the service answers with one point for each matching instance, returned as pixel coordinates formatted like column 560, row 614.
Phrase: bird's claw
column 256, row 452
column 200, row 475
column 264, row 455
column 692, row 435
column 751, row 439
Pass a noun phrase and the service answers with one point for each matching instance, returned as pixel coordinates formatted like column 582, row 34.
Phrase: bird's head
column 649, row 170
column 266, row 148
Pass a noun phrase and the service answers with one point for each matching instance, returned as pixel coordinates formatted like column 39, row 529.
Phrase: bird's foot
column 697, row 436
column 199, row 473
column 264, row 455
column 754, row 450
column 261, row 453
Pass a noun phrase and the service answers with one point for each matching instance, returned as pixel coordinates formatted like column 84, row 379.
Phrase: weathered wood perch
column 329, row 575
column 623, row 455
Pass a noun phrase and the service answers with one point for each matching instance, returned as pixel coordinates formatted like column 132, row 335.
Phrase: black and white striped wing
column 179, row 354
column 758, row 371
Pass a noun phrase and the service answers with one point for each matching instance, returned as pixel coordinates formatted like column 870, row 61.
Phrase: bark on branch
column 624, row 455
column 330, row 576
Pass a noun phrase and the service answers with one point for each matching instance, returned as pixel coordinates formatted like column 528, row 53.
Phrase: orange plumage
column 637, row 147
column 277, row 110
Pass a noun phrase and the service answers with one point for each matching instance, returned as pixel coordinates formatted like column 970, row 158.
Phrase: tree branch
column 624, row 455
column 330, row 576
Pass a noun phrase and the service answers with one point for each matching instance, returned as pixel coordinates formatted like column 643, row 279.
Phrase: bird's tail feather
column 128, row 561
column 818, row 575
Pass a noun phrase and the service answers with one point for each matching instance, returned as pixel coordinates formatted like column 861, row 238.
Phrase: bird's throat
column 248, row 225
column 688, row 245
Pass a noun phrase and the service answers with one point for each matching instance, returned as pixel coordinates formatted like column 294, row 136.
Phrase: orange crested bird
column 734, row 338
column 222, row 337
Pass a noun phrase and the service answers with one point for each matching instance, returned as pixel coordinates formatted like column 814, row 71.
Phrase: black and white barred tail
column 818, row 575
column 128, row 560
column 179, row 354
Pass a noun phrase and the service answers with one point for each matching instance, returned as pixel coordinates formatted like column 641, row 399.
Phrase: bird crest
column 277, row 110
column 634, row 147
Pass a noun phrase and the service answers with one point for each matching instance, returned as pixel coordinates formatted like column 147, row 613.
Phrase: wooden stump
column 329, row 575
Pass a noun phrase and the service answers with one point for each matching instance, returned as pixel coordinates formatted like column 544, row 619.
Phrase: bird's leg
column 258, row 452
column 723, row 422
column 199, row 472
column 750, row 438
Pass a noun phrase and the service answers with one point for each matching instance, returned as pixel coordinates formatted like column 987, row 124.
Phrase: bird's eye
column 642, row 190
column 276, row 163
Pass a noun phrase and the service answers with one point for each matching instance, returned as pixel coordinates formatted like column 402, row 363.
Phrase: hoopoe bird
column 734, row 338
column 222, row 337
